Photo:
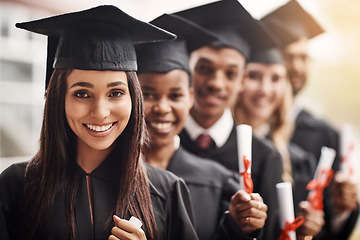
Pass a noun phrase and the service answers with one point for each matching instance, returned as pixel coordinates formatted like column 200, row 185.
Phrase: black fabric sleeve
column 348, row 227
column 344, row 233
column 180, row 212
column 230, row 231
column 11, row 186
column 3, row 228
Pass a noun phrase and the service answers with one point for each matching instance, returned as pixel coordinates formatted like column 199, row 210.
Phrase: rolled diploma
column 347, row 150
column 244, row 143
column 286, row 205
column 135, row 221
column 326, row 161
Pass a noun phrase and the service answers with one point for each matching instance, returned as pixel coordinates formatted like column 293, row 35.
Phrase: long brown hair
column 52, row 171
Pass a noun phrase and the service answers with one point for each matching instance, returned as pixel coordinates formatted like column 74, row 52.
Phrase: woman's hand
column 314, row 221
column 126, row 230
column 344, row 194
column 248, row 211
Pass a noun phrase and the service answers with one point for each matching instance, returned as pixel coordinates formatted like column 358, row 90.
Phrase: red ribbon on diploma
column 346, row 157
column 289, row 227
column 248, row 183
column 316, row 196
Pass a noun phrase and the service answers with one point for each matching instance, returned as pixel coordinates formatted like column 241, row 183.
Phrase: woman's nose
column 162, row 106
column 100, row 108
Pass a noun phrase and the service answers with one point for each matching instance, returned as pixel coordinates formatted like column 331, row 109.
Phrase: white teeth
column 161, row 126
column 99, row 128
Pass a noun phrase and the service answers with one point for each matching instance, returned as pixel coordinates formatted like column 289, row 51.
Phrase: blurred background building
column 332, row 91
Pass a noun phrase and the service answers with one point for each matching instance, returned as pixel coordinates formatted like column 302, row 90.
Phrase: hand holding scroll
column 314, row 220
column 248, row 211
column 344, row 193
column 125, row 229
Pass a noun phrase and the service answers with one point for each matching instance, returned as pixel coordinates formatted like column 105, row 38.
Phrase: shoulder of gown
column 306, row 119
column 12, row 181
column 162, row 181
column 310, row 128
column 171, row 204
column 11, row 187
column 197, row 170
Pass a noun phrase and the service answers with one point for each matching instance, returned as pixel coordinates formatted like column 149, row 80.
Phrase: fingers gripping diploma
column 248, row 211
column 126, row 230
column 314, row 220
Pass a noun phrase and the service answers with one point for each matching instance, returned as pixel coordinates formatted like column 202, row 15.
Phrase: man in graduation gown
column 217, row 70
column 294, row 25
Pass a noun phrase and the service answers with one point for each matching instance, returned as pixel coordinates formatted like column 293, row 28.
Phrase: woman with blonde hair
column 265, row 103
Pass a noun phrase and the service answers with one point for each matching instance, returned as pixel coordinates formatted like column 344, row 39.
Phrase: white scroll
column 325, row 163
column 347, row 151
column 135, row 221
column 286, row 206
column 244, row 146
column 322, row 178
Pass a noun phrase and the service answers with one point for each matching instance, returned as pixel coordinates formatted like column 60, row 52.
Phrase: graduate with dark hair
column 295, row 27
column 87, row 178
column 165, row 79
column 217, row 70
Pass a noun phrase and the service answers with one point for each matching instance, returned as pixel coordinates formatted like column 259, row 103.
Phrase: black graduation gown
column 311, row 134
column 266, row 171
column 169, row 195
column 211, row 187
column 303, row 169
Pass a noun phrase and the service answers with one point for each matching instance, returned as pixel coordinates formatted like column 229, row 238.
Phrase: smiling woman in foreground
column 87, row 177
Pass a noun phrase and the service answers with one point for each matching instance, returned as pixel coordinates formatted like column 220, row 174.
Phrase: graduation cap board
column 290, row 22
column 100, row 38
column 169, row 55
column 232, row 24
column 268, row 56
column 271, row 55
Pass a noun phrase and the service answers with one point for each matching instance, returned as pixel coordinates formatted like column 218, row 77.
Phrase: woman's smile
column 99, row 128
column 161, row 127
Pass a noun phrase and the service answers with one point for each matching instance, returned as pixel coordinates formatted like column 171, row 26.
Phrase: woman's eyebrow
column 148, row 88
column 114, row 84
column 82, row 84
column 89, row 85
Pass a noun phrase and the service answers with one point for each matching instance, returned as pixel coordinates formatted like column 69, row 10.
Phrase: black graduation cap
column 270, row 55
column 233, row 25
column 168, row 55
column 100, row 38
column 290, row 22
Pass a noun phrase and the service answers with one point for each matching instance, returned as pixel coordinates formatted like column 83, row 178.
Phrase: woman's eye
column 81, row 95
column 254, row 75
column 148, row 96
column 175, row 96
column 116, row 93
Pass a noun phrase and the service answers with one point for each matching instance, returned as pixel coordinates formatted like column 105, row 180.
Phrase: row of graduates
column 93, row 142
